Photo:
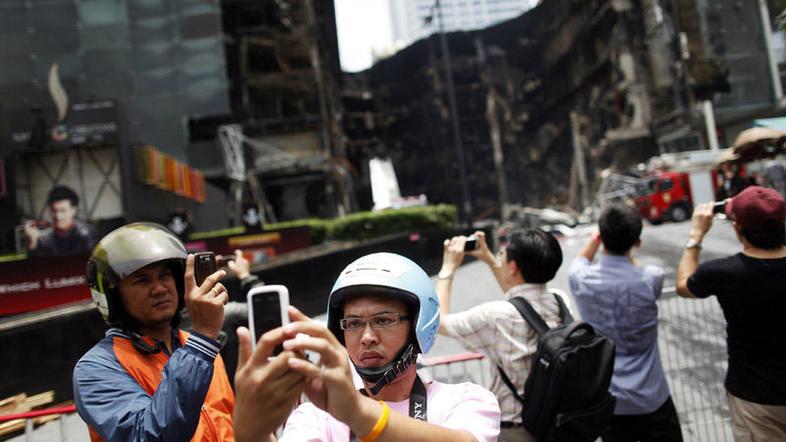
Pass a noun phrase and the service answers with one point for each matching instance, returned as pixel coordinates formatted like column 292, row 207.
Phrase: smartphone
column 204, row 266
column 719, row 207
column 267, row 309
column 471, row 243
column 223, row 260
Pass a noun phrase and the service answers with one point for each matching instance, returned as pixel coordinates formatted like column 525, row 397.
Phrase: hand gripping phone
column 267, row 309
column 720, row 206
column 471, row 243
column 204, row 266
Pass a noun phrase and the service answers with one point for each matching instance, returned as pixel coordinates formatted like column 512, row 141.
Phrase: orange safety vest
column 215, row 420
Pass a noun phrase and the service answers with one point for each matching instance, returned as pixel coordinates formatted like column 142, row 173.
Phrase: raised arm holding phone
column 749, row 286
column 529, row 259
column 382, row 312
column 148, row 380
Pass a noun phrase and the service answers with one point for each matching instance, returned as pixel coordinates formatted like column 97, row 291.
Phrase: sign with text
column 93, row 122
column 34, row 284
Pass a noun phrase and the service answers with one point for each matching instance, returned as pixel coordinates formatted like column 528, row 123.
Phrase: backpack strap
column 509, row 383
column 564, row 313
column 535, row 321
column 530, row 315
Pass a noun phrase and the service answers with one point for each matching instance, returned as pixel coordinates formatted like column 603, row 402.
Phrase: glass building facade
column 161, row 61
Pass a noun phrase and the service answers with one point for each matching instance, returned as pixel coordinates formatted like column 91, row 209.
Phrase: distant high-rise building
column 409, row 17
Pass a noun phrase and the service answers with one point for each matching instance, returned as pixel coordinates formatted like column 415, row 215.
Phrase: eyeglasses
column 382, row 320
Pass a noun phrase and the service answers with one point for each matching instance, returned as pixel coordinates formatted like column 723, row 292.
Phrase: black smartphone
column 471, row 243
column 222, row 260
column 204, row 266
column 267, row 309
column 719, row 207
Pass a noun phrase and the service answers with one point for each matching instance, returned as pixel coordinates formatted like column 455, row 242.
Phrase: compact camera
column 720, row 207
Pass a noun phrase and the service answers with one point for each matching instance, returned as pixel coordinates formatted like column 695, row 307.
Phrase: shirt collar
column 526, row 290
column 614, row 259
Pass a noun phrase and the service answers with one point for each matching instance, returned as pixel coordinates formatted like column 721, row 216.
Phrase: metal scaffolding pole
column 466, row 206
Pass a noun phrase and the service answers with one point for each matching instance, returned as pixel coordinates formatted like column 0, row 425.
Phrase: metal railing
column 461, row 367
column 692, row 345
column 29, row 417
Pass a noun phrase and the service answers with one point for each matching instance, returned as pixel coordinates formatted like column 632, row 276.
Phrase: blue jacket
column 126, row 392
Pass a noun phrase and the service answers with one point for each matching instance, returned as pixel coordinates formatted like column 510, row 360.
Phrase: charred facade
column 571, row 83
column 282, row 64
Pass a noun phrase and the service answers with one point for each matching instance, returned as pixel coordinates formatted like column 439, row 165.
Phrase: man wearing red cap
column 751, row 290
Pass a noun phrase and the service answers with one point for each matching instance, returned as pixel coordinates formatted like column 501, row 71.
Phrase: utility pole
column 709, row 122
column 775, row 78
column 466, row 206
column 578, row 157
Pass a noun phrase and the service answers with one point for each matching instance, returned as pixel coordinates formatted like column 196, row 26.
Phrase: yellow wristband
column 379, row 427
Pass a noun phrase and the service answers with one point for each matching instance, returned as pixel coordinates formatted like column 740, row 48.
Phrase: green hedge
column 365, row 225
column 361, row 225
column 319, row 227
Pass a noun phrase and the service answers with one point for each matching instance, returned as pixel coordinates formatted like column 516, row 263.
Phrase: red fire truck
column 665, row 195
column 670, row 192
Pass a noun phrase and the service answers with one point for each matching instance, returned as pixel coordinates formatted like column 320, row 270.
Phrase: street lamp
column 466, row 206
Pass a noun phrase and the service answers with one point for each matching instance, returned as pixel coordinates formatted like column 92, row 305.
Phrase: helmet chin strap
column 381, row 376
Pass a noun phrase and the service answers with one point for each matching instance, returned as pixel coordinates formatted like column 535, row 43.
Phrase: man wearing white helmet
column 382, row 311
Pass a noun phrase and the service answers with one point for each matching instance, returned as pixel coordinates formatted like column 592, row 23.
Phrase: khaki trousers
column 752, row 422
column 515, row 434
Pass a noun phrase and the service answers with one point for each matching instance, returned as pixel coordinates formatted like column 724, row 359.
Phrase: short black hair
column 59, row 193
column 769, row 238
column 537, row 254
column 620, row 228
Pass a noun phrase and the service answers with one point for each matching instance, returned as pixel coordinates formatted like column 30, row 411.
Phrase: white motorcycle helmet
column 389, row 274
column 122, row 252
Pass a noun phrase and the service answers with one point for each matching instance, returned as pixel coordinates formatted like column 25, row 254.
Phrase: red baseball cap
column 757, row 208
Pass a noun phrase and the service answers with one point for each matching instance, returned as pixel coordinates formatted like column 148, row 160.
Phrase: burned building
column 282, row 63
column 546, row 99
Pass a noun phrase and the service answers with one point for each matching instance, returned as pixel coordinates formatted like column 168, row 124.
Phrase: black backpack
column 567, row 390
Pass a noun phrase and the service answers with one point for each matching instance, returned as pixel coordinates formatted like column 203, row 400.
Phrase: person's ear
column 637, row 243
column 514, row 268
column 737, row 231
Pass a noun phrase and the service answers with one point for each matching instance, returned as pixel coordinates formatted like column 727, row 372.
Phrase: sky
column 362, row 25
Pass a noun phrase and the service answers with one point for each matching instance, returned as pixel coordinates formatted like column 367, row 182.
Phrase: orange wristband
column 379, row 427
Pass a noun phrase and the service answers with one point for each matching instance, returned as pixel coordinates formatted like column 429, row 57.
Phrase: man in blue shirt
column 617, row 297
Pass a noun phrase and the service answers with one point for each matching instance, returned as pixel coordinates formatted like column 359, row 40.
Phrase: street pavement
column 691, row 332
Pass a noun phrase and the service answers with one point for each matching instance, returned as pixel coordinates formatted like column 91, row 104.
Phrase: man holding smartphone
column 529, row 260
column 750, row 287
column 147, row 380
column 382, row 312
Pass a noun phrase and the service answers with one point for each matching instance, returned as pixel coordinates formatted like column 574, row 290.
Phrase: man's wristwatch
column 444, row 274
column 693, row 244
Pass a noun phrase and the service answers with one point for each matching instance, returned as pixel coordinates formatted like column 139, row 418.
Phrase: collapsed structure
column 546, row 98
